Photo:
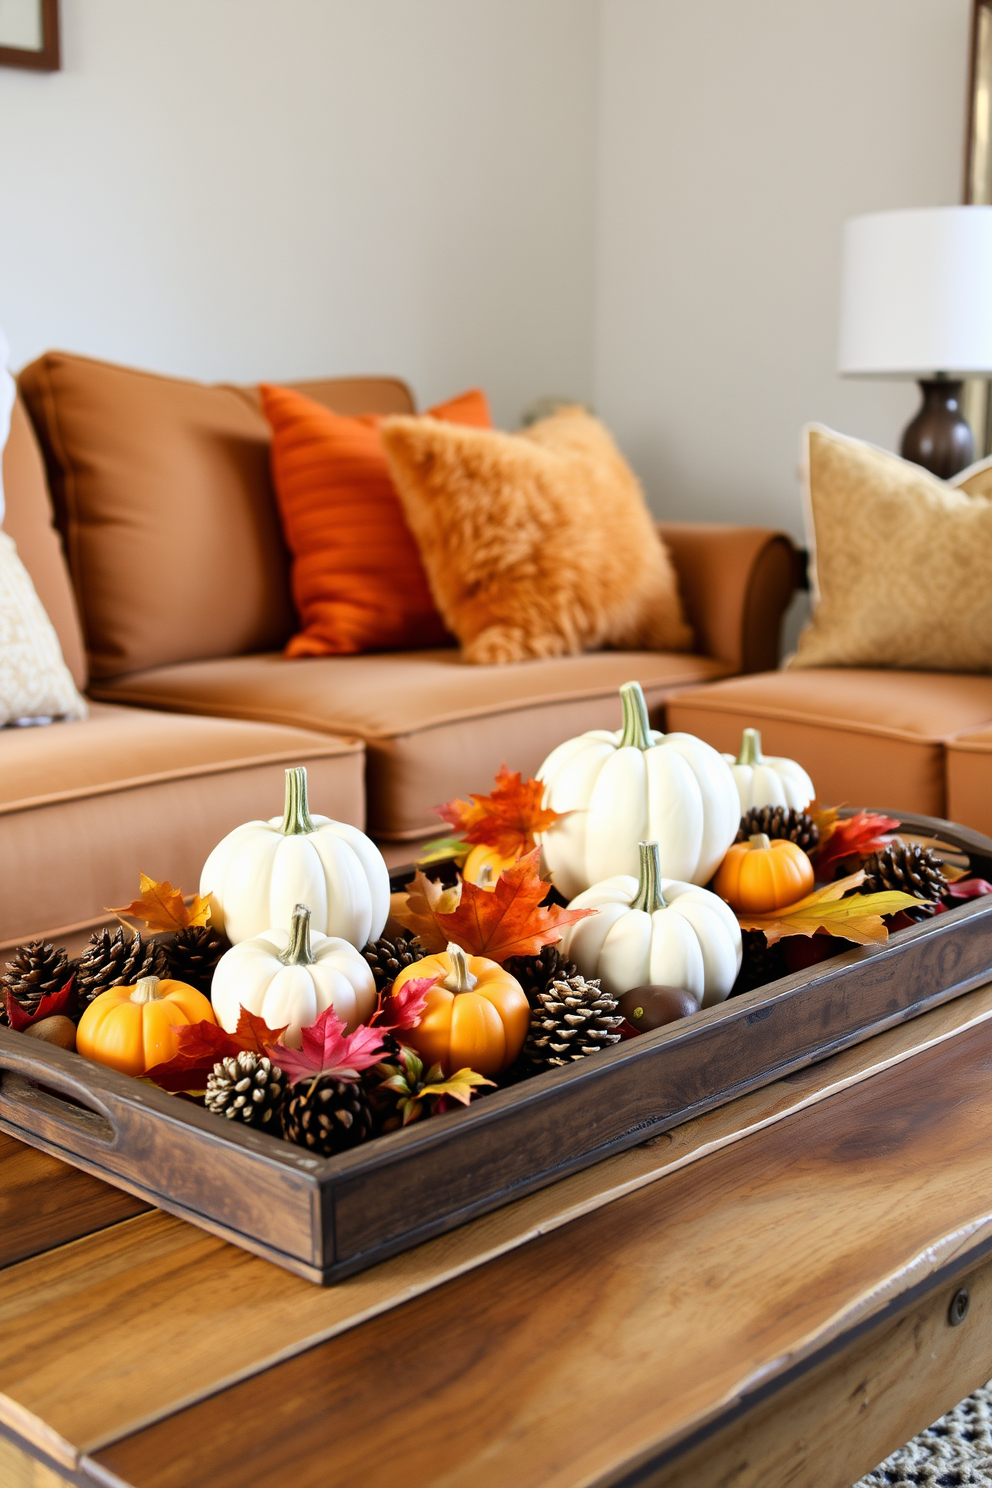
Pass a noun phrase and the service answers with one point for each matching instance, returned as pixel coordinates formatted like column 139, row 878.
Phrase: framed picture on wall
column 29, row 34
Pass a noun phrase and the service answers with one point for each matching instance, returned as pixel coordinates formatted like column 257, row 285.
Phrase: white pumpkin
column 632, row 786
column 650, row 930
column 261, row 870
column 289, row 977
column 768, row 780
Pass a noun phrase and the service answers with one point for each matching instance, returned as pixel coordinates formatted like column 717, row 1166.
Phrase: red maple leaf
column 856, row 836
column 403, row 1009
column 509, row 920
column 328, row 1050
column 54, row 1002
column 506, row 819
column 202, row 1045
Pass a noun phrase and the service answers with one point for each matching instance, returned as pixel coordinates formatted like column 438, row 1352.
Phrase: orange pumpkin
column 759, row 876
column 131, row 1028
column 477, row 1016
column 484, row 865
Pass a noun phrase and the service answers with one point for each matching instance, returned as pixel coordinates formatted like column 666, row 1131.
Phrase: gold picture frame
column 34, row 21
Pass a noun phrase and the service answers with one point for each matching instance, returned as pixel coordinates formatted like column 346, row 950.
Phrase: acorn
column 654, row 1005
column 56, row 1030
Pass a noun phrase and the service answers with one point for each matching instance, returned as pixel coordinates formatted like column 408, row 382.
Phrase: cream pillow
column 901, row 563
column 35, row 682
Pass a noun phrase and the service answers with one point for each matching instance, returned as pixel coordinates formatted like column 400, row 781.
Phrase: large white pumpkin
column 289, row 977
column 768, row 780
column 262, row 870
column 651, row 930
column 632, row 786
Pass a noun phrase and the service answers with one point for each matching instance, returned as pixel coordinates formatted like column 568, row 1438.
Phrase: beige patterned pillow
column 35, row 682
column 901, row 570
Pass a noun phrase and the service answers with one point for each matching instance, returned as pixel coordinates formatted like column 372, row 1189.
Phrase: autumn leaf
column 507, row 819
column 855, row 836
column 406, row 1079
column 52, row 1003
column 827, row 912
column 328, row 1050
column 403, row 1009
column 425, row 900
column 825, row 820
column 967, row 888
column 443, row 850
column 509, row 920
column 460, row 1086
column 204, row 1044
column 163, row 908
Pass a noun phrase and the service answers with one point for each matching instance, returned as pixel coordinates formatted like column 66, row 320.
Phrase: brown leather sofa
column 172, row 611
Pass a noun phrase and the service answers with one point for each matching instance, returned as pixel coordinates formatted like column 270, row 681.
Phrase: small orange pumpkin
column 131, row 1028
column 759, row 876
column 484, row 865
column 477, row 1016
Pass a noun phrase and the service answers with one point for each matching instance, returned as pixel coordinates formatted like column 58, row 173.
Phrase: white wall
column 278, row 188
column 734, row 141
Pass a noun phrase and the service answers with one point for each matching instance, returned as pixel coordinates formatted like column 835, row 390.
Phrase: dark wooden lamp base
column 939, row 437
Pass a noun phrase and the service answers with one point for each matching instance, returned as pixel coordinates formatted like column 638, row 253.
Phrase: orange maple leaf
column 163, row 908
column 419, row 908
column 507, row 819
column 509, row 920
column 854, row 837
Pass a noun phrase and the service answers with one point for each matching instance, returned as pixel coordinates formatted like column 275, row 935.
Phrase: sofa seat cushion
column 869, row 738
column 84, row 806
column 968, row 769
column 433, row 727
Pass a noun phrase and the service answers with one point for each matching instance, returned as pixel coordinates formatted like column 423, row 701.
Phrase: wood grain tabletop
column 607, row 1330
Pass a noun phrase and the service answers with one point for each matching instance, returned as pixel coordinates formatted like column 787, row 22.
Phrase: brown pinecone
column 192, row 955
column 247, row 1088
column 34, row 971
column 761, row 963
column 326, row 1115
column 388, row 958
column 780, row 821
column 573, row 1018
column 112, row 959
column 536, row 973
column 907, row 866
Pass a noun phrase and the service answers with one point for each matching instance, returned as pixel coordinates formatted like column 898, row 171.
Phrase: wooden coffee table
column 785, row 1307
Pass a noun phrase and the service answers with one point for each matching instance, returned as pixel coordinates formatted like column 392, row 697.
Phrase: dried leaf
column 460, row 1086
column 163, row 908
column 202, row 1045
column 968, row 888
column 425, row 900
column 507, row 819
column 825, row 819
column 328, row 1050
column 509, row 920
column 403, row 1009
column 52, row 1003
column 443, row 850
column 827, row 912
column 855, row 836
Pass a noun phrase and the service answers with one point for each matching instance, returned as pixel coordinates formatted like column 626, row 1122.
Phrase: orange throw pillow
column 535, row 544
column 358, row 581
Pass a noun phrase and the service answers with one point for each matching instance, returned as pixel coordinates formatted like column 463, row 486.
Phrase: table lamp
column 916, row 301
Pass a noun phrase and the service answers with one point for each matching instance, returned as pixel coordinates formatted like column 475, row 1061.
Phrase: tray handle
column 58, row 1099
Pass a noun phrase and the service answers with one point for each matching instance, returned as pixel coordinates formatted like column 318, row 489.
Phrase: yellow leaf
column 458, row 1086
column 824, row 818
column 163, row 908
column 827, row 912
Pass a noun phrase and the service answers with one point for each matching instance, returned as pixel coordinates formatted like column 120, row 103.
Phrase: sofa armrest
column 736, row 584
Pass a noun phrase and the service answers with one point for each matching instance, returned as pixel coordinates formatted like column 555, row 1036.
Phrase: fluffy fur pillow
column 535, row 544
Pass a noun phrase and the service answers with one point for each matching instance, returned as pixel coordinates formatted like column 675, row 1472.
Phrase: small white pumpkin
column 652, row 931
column 261, row 870
column 626, row 787
column 289, row 977
column 768, row 780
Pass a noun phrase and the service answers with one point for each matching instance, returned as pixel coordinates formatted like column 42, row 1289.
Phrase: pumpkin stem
column 760, row 840
column 146, row 990
column 459, row 978
column 636, row 732
column 298, row 952
column 750, row 748
column 296, row 818
column 649, row 896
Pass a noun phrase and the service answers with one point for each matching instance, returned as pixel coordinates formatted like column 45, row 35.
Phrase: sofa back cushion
column 29, row 521
column 163, row 495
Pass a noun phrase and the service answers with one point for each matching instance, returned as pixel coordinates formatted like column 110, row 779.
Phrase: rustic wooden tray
column 327, row 1218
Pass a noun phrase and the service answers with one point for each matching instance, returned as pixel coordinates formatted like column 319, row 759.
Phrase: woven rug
column 955, row 1452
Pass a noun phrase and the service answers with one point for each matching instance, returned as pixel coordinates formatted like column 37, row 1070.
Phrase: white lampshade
column 916, row 294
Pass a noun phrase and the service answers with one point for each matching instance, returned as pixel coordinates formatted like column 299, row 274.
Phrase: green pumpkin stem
column 750, row 748
column 296, row 818
column 298, row 952
column 649, row 896
column 636, row 725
